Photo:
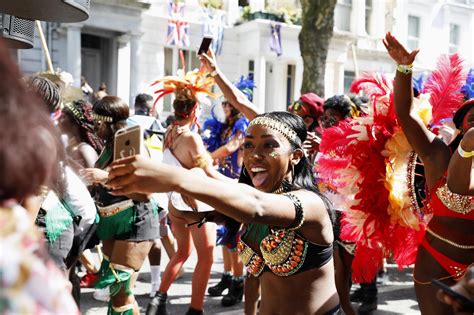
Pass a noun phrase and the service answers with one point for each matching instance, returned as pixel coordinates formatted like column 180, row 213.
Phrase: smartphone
column 205, row 44
column 467, row 304
column 127, row 142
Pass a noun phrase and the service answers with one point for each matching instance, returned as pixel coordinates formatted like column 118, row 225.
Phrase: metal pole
column 45, row 47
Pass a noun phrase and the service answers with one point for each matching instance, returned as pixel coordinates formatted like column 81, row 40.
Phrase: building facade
column 123, row 44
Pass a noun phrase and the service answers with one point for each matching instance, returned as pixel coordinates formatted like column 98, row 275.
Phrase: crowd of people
column 258, row 184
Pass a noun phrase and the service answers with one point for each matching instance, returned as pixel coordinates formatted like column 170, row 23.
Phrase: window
column 454, row 38
column 368, row 15
column 251, row 68
column 413, row 32
column 349, row 77
column 290, row 85
column 342, row 15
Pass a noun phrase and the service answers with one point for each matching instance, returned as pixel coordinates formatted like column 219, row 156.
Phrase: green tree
column 316, row 32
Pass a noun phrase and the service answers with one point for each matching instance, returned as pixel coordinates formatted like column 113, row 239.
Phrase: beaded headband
column 74, row 111
column 103, row 118
column 276, row 125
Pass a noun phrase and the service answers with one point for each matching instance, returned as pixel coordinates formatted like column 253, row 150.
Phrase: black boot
column 193, row 311
column 236, row 292
column 357, row 295
column 225, row 283
column 368, row 306
column 157, row 305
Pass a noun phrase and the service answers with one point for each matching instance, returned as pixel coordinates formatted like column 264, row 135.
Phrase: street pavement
column 396, row 293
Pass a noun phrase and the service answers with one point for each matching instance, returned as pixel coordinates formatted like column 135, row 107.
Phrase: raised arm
column 231, row 93
column 431, row 149
column 230, row 147
column 239, row 201
column 460, row 172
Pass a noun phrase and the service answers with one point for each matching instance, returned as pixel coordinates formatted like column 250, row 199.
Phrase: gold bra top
column 283, row 251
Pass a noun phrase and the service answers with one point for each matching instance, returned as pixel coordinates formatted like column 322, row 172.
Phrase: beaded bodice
column 454, row 202
column 282, row 251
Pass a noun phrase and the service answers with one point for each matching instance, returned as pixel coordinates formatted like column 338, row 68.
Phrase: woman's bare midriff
column 305, row 292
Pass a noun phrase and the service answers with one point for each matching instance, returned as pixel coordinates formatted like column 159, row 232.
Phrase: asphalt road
column 396, row 293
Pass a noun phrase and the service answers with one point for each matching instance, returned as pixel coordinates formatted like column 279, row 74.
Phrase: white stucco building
column 123, row 44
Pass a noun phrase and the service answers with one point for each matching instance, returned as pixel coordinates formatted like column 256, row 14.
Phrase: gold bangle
column 449, row 241
column 464, row 154
column 405, row 69
column 213, row 73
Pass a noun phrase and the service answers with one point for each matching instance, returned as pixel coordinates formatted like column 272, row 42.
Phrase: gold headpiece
column 103, row 118
column 74, row 111
column 276, row 125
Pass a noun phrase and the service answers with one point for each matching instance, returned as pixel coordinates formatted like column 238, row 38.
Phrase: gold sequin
column 454, row 202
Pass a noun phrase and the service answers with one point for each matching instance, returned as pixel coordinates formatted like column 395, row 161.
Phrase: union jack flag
column 177, row 28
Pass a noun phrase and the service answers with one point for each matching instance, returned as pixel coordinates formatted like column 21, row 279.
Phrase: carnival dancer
column 184, row 148
column 30, row 282
column 445, row 252
column 288, row 243
column 83, row 147
column 228, row 137
column 127, row 223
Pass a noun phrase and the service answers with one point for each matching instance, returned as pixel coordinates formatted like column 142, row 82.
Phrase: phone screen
column 205, row 44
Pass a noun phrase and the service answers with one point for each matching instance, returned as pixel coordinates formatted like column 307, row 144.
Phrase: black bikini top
column 283, row 252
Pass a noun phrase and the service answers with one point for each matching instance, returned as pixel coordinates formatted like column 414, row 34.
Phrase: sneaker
column 222, row 285
column 102, row 295
column 157, row 305
column 88, row 280
column 236, row 292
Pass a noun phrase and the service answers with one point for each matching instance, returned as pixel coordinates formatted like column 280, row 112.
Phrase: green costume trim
column 256, row 231
column 104, row 158
column 113, row 227
column 155, row 206
column 115, row 279
column 57, row 218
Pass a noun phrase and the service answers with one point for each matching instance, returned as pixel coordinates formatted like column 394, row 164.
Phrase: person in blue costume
column 224, row 144
column 128, row 223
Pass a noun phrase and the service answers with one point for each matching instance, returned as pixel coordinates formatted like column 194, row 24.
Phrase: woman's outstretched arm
column 238, row 201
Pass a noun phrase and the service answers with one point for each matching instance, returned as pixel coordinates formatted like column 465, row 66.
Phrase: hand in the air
column 208, row 60
column 398, row 53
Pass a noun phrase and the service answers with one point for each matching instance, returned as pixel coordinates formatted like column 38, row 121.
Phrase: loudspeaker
column 18, row 33
column 48, row 10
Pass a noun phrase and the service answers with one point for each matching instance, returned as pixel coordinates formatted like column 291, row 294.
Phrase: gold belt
column 448, row 241
column 115, row 208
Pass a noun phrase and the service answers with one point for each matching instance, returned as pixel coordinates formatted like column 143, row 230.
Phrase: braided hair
column 47, row 90
column 80, row 112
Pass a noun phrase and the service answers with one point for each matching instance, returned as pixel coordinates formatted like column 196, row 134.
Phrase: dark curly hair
column 342, row 104
column 80, row 112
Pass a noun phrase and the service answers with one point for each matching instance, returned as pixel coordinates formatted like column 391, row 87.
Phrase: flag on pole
column 275, row 39
column 213, row 26
column 177, row 27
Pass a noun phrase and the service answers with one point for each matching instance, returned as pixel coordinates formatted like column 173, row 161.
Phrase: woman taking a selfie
column 288, row 243
column 128, row 223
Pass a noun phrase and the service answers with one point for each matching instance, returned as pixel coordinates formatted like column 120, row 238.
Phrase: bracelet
column 405, row 69
column 299, row 214
column 213, row 73
column 463, row 153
